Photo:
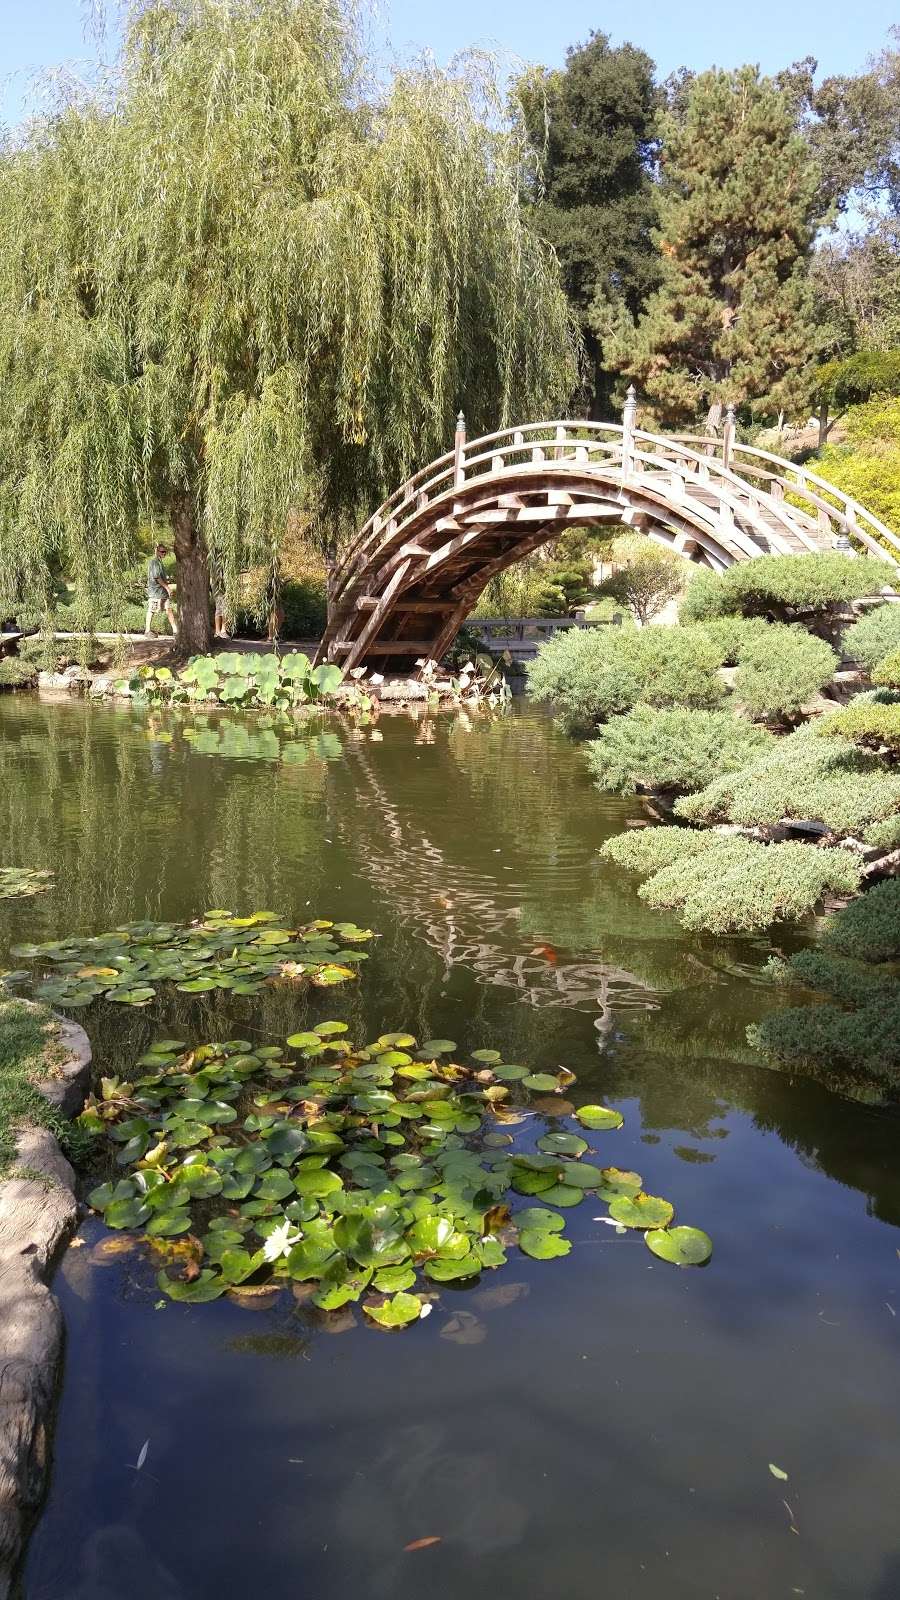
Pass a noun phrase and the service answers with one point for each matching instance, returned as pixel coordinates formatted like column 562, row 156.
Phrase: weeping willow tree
column 238, row 284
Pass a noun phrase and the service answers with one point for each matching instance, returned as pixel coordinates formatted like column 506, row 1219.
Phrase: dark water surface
column 601, row 1424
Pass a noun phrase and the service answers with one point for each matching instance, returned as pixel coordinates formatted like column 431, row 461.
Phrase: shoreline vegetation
column 776, row 781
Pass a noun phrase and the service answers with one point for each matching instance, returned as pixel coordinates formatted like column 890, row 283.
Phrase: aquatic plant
column 234, row 678
column 20, row 883
column 370, row 1171
column 221, row 952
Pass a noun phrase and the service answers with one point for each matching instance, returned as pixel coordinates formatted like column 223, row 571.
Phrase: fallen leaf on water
column 142, row 1456
column 777, row 1471
column 77, row 1244
column 422, row 1544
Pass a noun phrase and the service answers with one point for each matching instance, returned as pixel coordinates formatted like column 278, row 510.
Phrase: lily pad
column 398, row 1312
column 543, row 1246
column 641, row 1211
column 683, row 1247
column 597, row 1117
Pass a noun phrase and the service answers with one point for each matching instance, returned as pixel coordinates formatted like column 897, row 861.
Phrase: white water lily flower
column 280, row 1241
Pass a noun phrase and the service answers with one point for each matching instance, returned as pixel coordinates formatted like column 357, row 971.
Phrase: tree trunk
column 823, row 424
column 192, row 578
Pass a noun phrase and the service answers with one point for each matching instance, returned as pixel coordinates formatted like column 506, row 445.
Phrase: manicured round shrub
column 802, row 777
column 590, row 674
column 868, row 722
column 742, row 886
column 729, row 636
column 671, row 749
column 648, row 849
column 873, row 635
column 780, row 670
column 782, row 585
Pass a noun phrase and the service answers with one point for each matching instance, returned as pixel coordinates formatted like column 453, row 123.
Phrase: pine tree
column 592, row 129
column 732, row 320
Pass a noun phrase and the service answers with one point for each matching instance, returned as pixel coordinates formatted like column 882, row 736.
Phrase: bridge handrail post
column 728, row 438
column 459, row 451
column 629, row 417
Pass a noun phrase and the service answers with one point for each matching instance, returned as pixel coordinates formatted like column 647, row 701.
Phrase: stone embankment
column 38, row 1215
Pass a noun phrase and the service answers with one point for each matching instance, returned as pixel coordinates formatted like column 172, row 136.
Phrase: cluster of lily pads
column 370, row 1171
column 222, row 952
column 235, row 679
column 20, row 883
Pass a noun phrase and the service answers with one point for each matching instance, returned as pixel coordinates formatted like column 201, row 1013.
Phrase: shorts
column 156, row 603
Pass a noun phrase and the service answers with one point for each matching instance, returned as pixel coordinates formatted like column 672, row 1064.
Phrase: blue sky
column 37, row 34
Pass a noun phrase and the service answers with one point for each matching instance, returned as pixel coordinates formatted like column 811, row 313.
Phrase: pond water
column 602, row 1423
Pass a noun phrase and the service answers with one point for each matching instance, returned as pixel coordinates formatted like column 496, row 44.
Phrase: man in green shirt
column 158, row 595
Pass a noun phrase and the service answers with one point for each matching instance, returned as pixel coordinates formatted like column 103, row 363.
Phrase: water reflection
column 603, row 1413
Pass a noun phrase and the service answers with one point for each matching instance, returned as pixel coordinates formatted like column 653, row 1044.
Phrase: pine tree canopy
column 592, row 128
column 238, row 282
column 732, row 320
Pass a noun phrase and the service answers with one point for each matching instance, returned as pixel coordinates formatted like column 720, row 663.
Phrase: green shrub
column 16, row 674
column 874, row 635
column 884, row 835
column 867, row 722
column 887, row 671
column 648, row 849
column 783, row 585
column 804, row 777
column 671, row 749
column 780, row 670
column 705, row 597
column 868, row 929
column 591, row 674
column 305, row 606
column 729, row 636
column 741, row 886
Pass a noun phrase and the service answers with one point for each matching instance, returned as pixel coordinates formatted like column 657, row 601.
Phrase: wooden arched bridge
column 407, row 583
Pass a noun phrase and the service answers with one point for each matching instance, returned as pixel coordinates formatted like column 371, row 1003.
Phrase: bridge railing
column 823, row 513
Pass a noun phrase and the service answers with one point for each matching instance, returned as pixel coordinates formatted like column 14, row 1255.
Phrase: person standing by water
column 158, row 595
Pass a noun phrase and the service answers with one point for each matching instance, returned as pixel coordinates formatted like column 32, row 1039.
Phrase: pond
column 603, row 1422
